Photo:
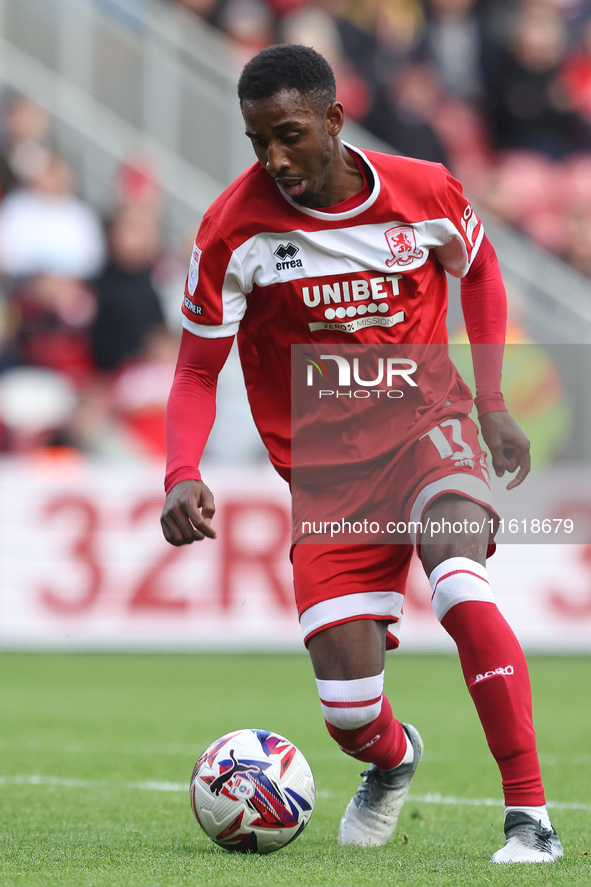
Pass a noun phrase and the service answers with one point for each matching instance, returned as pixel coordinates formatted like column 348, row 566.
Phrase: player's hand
column 508, row 445
column 187, row 513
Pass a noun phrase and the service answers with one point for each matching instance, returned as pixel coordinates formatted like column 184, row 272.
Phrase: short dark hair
column 288, row 66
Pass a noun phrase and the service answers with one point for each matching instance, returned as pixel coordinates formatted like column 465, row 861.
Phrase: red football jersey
column 280, row 274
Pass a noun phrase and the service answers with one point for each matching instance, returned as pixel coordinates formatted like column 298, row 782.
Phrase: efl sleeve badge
column 193, row 276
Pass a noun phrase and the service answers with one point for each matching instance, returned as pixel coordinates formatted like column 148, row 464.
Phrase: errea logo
column 287, row 252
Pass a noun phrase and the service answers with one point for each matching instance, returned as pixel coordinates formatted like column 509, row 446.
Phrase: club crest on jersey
column 193, row 275
column 403, row 245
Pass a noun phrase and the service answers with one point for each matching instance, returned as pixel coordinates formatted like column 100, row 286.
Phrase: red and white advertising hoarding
column 85, row 566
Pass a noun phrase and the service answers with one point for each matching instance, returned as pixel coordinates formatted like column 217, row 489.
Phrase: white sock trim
column 351, row 704
column 456, row 580
column 409, row 753
column 537, row 812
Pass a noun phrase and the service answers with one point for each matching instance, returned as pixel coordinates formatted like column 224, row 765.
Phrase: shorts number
column 444, row 446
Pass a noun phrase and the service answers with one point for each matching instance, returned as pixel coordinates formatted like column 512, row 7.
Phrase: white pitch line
column 489, row 802
column 63, row 782
column 156, row 786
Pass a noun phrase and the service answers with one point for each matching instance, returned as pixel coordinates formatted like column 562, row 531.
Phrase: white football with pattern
column 252, row 791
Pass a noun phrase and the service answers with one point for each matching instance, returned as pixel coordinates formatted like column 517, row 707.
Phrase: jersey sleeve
column 484, row 305
column 191, row 408
column 214, row 301
column 464, row 230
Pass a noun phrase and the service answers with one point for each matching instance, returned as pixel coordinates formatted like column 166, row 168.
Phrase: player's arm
column 484, row 305
column 190, row 413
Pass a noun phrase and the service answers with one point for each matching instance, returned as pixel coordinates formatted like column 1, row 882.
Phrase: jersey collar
column 350, row 213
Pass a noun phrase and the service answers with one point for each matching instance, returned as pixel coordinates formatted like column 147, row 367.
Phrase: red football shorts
column 353, row 541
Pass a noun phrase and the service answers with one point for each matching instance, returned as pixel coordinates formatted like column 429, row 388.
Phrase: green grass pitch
column 96, row 752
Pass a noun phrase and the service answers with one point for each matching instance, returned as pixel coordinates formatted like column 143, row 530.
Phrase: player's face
column 297, row 145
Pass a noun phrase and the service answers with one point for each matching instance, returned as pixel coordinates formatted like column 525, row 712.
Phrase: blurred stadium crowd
column 499, row 91
column 87, row 348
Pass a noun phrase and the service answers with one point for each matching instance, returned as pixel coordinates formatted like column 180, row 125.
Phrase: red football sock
column 381, row 742
column 497, row 678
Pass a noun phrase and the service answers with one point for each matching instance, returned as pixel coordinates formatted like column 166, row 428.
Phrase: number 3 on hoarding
column 83, row 515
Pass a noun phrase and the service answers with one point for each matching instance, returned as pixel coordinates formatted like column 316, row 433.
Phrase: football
column 252, row 791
